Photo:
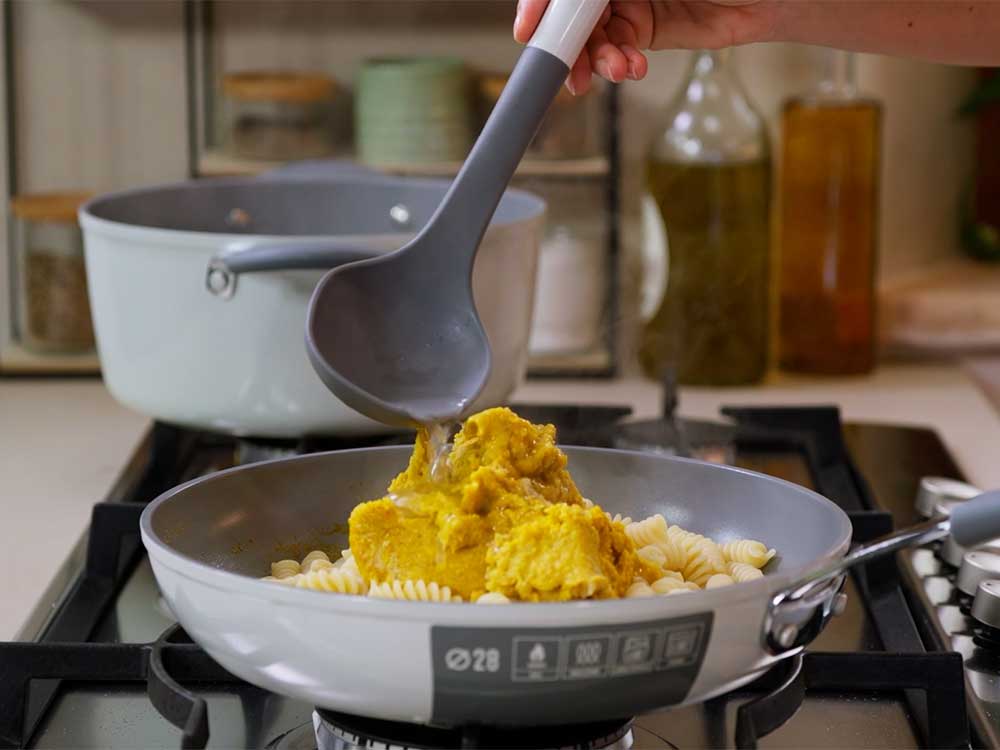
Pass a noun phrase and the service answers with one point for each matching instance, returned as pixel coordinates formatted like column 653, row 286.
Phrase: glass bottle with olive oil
column 828, row 225
column 709, row 175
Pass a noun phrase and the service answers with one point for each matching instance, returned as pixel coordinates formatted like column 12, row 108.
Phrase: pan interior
column 244, row 519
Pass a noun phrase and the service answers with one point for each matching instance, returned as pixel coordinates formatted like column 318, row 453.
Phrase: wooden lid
column 61, row 207
column 491, row 84
column 260, row 86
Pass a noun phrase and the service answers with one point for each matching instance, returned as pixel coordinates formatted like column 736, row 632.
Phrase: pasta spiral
column 748, row 552
column 330, row 579
column 670, row 585
column 492, row 597
column 741, row 572
column 639, row 589
column 652, row 555
column 285, row 569
column 719, row 580
column 704, row 558
column 413, row 591
column 652, row 531
column 314, row 556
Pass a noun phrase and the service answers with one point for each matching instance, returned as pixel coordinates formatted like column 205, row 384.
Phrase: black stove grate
column 940, row 676
column 934, row 682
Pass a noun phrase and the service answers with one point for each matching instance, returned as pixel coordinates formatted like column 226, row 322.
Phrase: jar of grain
column 280, row 116
column 53, row 312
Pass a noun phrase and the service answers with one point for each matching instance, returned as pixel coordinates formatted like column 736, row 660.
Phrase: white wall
column 100, row 92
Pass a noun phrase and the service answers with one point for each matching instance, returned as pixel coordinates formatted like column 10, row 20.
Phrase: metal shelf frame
column 201, row 28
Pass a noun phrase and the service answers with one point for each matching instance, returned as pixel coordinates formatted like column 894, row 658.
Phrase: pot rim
column 534, row 208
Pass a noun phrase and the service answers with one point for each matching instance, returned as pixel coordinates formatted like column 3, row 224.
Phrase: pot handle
column 225, row 267
column 797, row 613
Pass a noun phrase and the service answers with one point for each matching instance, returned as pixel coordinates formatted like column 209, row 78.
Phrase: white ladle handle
column 566, row 26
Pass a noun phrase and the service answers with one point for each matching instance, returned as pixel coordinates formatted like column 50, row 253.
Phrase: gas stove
column 103, row 664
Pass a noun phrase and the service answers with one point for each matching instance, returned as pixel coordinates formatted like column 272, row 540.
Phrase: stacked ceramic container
column 413, row 111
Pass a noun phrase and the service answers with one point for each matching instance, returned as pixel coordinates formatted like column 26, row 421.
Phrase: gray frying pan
column 210, row 540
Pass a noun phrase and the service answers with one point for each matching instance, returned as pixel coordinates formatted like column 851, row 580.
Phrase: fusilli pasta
column 413, row 591
column 314, row 556
column 639, row 589
column 719, row 580
column 285, row 569
column 652, row 531
column 741, row 572
column 748, row 552
column 670, row 585
column 330, row 579
column 492, row 597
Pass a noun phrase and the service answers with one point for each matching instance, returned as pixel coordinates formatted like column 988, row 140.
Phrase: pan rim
column 603, row 610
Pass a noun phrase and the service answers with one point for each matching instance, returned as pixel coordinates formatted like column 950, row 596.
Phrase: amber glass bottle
column 709, row 175
column 828, row 226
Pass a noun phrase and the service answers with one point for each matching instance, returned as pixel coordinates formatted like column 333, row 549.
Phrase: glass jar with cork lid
column 53, row 311
column 277, row 116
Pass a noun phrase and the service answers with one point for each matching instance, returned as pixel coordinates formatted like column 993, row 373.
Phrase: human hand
column 629, row 26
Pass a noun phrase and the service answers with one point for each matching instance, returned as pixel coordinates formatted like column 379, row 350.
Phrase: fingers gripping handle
column 566, row 26
column 977, row 520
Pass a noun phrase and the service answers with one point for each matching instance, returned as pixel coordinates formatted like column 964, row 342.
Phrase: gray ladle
column 398, row 337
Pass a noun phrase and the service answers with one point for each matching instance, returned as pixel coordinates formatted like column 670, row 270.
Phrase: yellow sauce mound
column 503, row 516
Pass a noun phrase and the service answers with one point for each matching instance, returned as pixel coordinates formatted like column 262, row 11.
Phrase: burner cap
column 250, row 451
column 977, row 566
column 935, row 489
column 986, row 605
column 335, row 731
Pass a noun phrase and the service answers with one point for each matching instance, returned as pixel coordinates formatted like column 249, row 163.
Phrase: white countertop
column 63, row 443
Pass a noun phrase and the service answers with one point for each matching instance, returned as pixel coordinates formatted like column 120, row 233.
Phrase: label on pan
column 563, row 675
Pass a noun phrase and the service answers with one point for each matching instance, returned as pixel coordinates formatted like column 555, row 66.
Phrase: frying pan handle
column 225, row 267
column 797, row 613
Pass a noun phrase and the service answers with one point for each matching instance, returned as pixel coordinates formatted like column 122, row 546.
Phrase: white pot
column 236, row 363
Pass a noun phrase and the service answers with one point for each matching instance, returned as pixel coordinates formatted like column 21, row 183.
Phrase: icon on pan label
column 536, row 659
column 681, row 646
column 636, row 652
column 457, row 659
column 588, row 656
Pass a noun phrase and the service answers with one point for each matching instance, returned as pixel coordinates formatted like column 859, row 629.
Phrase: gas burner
column 934, row 490
column 250, row 451
column 977, row 566
column 708, row 441
column 336, row 731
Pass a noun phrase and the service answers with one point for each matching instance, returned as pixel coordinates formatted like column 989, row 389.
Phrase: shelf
column 570, row 364
column 16, row 360
column 217, row 163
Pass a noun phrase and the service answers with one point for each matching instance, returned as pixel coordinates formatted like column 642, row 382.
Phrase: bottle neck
column 840, row 75
column 710, row 61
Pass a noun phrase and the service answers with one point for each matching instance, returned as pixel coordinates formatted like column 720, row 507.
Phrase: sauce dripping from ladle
column 439, row 448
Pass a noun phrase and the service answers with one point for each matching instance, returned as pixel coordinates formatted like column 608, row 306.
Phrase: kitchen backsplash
column 101, row 99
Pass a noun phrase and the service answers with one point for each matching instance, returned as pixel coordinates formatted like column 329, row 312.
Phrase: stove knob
column 977, row 566
column 839, row 604
column 952, row 552
column 986, row 605
column 935, row 489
